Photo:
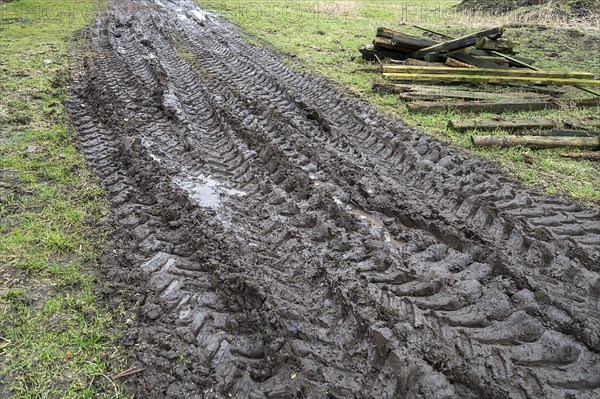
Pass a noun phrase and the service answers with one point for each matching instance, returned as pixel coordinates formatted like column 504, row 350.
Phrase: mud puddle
column 205, row 191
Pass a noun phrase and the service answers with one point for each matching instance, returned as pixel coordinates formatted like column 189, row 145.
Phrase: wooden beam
column 497, row 107
column 583, row 123
column 500, row 45
column 589, row 156
column 388, row 44
column 370, row 53
column 478, row 61
column 405, row 39
column 410, row 41
column 547, row 126
column 450, row 92
column 484, row 71
column 558, row 132
column 433, row 77
column 494, row 124
column 459, row 43
column 454, row 63
column 537, row 89
column 412, row 61
column 536, row 141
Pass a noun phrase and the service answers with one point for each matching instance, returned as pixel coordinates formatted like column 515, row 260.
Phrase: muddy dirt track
column 280, row 239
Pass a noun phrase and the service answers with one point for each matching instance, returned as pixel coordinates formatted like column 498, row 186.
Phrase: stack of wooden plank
column 479, row 58
column 464, row 74
column 484, row 49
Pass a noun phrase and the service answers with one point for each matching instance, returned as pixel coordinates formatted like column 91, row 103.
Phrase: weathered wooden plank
column 500, row 45
column 436, row 77
column 551, row 91
column 497, row 107
column 586, row 155
column 459, row 43
column 450, row 92
column 484, row 71
column 370, row 53
column 412, row 61
column 495, row 60
column 454, row 63
column 582, row 123
column 495, row 124
column 405, row 39
column 536, row 141
column 410, row 41
column 559, row 132
column 478, row 61
column 386, row 32
column 401, row 41
column 388, row 44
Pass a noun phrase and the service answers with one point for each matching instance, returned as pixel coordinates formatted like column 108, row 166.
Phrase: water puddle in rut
column 205, row 191
column 364, row 216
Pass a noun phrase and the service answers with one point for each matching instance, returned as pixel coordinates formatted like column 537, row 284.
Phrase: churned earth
column 278, row 238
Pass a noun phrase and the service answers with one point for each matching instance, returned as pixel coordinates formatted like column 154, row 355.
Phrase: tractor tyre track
column 281, row 239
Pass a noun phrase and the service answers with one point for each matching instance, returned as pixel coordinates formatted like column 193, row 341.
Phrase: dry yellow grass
column 549, row 15
column 339, row 8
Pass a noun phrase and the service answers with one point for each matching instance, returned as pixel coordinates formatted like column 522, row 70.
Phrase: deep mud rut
column 284, row 240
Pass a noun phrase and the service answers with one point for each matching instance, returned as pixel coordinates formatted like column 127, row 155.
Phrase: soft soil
column 280, row 239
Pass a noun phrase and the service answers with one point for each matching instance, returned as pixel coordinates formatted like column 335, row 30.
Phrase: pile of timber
column 484, row 49
column 422, row 70
column 457, row 74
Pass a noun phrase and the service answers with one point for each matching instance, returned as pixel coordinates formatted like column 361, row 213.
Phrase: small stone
column 47, row 62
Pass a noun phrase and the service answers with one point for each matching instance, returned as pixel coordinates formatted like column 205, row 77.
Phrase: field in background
column 55, row 339
column 325, row 37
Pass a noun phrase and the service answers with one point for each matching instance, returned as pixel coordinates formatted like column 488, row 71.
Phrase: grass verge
column 56, row 341
column 325, row 37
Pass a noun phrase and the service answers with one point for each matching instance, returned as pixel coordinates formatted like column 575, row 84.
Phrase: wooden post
column 536, row 141
column 559, row 132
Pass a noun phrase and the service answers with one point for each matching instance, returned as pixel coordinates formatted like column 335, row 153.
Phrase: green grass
column 326, row 38
column 56, row 341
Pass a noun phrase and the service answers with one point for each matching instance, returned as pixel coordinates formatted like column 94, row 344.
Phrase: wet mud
column 278, row 238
